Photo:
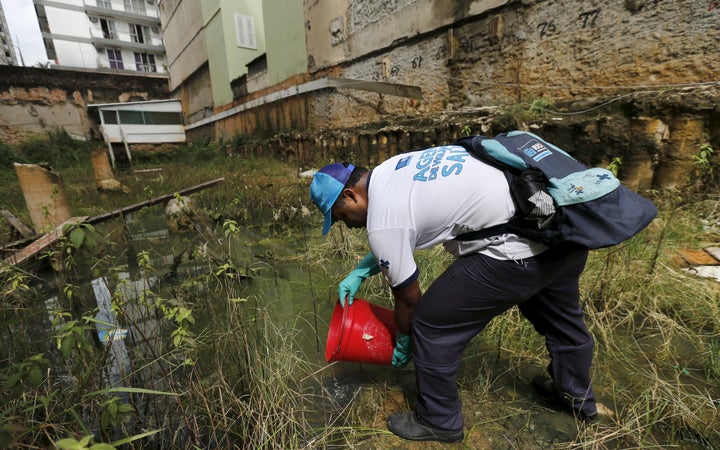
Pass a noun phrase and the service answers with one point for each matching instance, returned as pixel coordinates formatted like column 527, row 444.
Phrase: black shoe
column 406, row 426
column 546, row 388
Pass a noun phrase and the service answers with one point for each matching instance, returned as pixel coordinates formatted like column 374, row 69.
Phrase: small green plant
column 523, row 112
column 86, row 443
column 27, row 373
column 703, row 169
column 82, row 235
column 466, row 130
column 115, row 411
column 615, row 165
column 539, row 106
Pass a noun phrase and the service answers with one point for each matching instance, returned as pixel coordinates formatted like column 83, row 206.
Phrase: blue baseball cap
column 326, row 186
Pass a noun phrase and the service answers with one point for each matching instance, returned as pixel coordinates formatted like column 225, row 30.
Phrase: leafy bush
column 56, row 147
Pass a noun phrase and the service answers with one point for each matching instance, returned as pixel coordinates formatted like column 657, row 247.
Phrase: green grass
column 242, row 383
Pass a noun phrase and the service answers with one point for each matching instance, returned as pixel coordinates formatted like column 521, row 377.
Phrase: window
column 110, row 117
column 145, row 62
column 245, row 31
column 135, row 6
column 115, row 59
column 131, row 117
column 108, row 28
column 162, row 118
column 139, row 34
column 104, row 4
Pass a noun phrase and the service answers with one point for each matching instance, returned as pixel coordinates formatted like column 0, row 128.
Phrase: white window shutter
column 245, row 31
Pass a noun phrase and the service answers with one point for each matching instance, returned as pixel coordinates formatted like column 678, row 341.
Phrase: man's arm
column 405, row 300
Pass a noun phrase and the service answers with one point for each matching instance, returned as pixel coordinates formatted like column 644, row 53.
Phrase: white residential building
column 7, row 49
column 102, row 34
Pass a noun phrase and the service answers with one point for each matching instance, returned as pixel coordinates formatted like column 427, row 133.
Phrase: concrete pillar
column 364, row 142
column 404, row 142
column 650, row 135
column 392, row 144
column 382, row 147
column 686, row 136
column 104, row 178
column 373, row 155
column 44, row 196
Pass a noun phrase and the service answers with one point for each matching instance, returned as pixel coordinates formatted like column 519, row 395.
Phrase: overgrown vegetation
column 211, row 365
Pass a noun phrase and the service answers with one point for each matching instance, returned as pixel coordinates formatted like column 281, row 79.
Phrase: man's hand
column 351, row 284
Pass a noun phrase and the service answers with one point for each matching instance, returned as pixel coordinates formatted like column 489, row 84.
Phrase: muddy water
column 277, row 278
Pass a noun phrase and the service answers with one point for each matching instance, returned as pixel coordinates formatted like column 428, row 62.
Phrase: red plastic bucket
column 362, row 332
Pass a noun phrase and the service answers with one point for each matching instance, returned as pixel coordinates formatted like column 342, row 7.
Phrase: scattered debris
column 705, row 262
column 308, row 173
column 41, row 244
column 48, row 239
column 16, row 223
column 152, row 201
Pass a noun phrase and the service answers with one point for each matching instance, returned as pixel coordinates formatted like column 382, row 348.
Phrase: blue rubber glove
column 351, row 284
column 401, row 354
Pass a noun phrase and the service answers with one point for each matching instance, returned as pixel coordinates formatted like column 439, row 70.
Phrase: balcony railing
column 146, row 16
column 102, row 38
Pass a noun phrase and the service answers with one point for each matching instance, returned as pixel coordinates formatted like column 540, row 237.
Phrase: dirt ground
column 512, row 417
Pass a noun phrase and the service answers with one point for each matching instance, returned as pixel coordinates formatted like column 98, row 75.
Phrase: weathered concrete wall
column 476, row 53
column 655, row 135
column 635, row 79
column 33, row 100
column 479, row 53
column 195, row 95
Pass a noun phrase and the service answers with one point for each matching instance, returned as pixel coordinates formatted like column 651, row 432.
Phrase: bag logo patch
column 537, row 151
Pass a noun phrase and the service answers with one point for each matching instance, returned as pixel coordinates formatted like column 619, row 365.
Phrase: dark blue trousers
column 476, row 288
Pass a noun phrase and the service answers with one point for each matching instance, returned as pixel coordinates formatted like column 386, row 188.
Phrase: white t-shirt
column 420, row 199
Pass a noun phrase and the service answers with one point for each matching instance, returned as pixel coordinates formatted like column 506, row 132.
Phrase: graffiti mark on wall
column 385, row 70
column 587, row 20
column 468, row 45
column 417, row 62
column 589, row 17
column 713, row 5
column 546, row 29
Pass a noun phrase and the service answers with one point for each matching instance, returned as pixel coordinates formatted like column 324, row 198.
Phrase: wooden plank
column 698, row 257
column 41, row 243
column 23, row 229
column 152, row 201
column 714, row 251
column 14, row 245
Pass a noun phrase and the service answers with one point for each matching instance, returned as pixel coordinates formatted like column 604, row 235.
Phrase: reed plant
column 213, row 367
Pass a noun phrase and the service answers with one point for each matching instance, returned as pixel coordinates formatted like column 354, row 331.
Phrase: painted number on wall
column 546, row 28
column 588, row 18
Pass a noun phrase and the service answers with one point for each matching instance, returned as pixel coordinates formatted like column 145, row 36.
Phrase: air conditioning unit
column 93, row 19
column 155, row 29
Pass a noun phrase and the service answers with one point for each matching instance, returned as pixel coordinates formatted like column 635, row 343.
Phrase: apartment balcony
column 101, row 39
column 149, row 18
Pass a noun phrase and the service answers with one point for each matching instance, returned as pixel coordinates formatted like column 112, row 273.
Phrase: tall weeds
column 212, row 366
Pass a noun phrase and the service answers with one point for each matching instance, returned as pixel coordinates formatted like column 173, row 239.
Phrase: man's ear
column 349, row 194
